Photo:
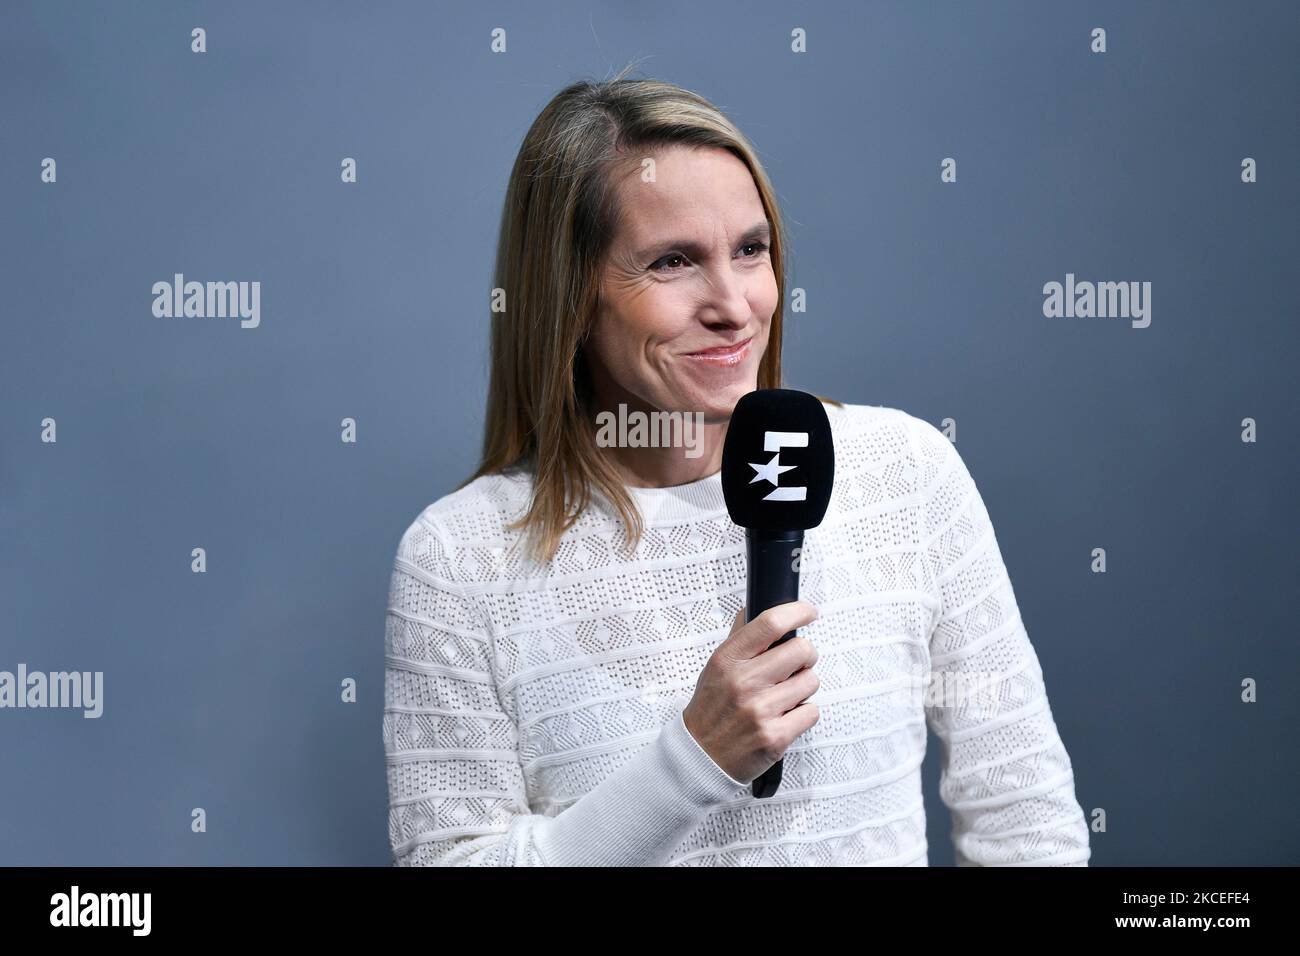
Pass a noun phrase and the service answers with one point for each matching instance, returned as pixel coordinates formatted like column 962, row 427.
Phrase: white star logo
column 774, row 441
column 769, row 471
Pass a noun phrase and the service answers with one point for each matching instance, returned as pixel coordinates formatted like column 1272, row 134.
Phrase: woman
column 569, row 678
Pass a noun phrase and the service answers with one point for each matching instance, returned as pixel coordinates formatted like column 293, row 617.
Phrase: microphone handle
column 772, row 578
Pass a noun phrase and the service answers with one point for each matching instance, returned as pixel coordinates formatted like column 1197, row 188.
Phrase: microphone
column 778, row 465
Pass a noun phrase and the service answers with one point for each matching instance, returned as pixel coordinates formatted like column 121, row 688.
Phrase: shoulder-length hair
column 557, row 223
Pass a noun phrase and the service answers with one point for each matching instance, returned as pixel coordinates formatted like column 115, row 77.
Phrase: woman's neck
column 667, row 467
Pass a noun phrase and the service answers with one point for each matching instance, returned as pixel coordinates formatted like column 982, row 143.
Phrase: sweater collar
column 700, row 499
column 695, row 499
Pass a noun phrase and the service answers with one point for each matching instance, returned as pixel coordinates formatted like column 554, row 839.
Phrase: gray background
column 222, row 689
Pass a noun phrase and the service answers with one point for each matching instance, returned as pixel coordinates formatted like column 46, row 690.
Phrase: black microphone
column 778, row 465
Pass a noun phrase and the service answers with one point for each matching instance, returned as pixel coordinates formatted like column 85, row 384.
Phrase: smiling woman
column 570, row 678
column 639, row 234
column 687, row 295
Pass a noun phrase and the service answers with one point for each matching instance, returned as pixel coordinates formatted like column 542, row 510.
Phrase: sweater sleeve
column 456, row 787
column 1005, row 774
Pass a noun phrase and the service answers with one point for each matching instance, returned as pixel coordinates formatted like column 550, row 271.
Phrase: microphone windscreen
column 778, row 461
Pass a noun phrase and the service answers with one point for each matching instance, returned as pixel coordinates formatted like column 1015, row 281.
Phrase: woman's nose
column 729, row 295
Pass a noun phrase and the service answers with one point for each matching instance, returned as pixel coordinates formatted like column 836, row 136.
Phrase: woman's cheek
column 767, row 293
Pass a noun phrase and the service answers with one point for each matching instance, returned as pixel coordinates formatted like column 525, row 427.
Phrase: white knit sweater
column 533, row 715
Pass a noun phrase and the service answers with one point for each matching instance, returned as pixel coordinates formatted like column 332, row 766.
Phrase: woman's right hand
column 750, row 700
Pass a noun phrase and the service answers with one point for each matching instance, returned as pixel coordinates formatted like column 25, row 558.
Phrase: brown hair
column 556, row 224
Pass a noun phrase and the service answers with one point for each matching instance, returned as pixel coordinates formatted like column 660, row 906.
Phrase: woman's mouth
column 723, row 355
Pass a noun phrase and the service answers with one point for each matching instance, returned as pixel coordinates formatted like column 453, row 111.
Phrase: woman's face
column 689, row 271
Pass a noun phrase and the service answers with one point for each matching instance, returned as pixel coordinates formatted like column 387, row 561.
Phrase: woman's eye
column 658, row 266
column 662, row 265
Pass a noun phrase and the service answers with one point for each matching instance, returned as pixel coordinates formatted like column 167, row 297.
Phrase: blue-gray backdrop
column 222, row 689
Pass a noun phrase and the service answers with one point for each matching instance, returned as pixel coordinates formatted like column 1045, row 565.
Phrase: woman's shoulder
column 869, row 437
column 479, row 510
column 854, row 421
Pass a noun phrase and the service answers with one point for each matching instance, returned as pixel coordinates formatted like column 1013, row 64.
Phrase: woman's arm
column 456, row 788
column 1006, row 776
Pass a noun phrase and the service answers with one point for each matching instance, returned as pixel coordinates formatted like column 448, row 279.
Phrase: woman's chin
column 718, row 404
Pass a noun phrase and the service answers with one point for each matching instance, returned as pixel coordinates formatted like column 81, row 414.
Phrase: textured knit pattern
column 533, row 713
